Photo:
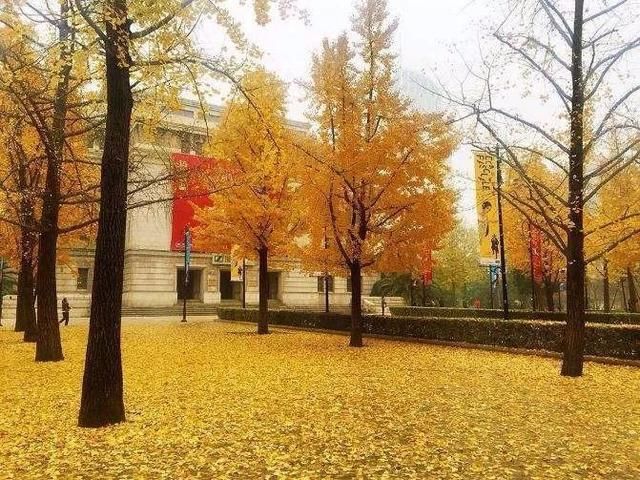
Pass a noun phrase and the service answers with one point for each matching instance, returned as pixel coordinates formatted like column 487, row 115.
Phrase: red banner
column 535, row 247
column 427, row 268
column 188, row 190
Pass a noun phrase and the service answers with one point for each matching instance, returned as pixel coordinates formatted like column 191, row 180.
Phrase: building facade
column 154, row 267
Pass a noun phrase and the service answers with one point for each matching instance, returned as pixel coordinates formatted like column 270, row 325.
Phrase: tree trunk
column 548, row 294
column 263, row 291
column 48, row 346
column 586, row 292
column 453, row 291
column 573, row 357
column 625, row 305
column 102, row 386
column 411, row 299
column 356, row 305
column 633, row 296
column 25, row 308
column 606, row 289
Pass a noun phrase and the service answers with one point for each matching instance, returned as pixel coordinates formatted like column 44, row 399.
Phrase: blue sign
column 187, row 254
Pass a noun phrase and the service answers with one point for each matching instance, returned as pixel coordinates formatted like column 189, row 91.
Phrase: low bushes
column 601, row 340
column 620, row 318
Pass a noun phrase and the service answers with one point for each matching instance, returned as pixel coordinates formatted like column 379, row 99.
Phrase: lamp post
column 503, row 261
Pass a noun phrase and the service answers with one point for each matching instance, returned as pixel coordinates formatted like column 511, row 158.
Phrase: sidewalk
column 9, row 323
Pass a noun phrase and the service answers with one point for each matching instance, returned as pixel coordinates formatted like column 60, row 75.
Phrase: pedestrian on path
column 65, row 311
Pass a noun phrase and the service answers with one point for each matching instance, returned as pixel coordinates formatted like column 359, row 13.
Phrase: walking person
column 65, row 311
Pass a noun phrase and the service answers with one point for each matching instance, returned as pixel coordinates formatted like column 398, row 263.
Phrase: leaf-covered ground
column 212, row 400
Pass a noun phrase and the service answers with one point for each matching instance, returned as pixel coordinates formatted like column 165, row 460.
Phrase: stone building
column 154, row 267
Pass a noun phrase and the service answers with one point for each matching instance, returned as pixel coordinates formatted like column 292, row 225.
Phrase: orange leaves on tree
column 376, row 170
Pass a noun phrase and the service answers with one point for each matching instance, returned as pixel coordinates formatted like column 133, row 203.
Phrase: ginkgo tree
column 377, row 167
column 141, row 44
column 571, row 55
column 523, row 221
column 252, row 145
column 456, row 262
column 615, row 219
column 21, row 163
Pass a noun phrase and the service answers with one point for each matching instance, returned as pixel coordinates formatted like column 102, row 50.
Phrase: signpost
column 187, row 262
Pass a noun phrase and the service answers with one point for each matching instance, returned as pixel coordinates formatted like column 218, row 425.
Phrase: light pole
column 503, row 261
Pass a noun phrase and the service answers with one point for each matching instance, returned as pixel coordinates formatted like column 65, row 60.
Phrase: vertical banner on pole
column 187, row 253
column 236, row 265
column 486, row 172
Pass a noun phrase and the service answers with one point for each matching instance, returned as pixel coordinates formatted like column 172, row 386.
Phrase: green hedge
column 620, row 318
column 601, row 340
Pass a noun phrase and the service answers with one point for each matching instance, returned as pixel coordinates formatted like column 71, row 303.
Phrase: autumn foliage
column 376, row 171
column 254, row 158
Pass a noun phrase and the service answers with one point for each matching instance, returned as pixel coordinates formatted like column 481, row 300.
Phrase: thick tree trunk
column 25, row 308
column 573, row 358
column 263, row 291
column 48, row 346
column 102, row 400
column 633, row 295
column 356, row 305
column 606, row 288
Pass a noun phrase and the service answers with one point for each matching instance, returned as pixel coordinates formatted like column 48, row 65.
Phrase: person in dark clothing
column 65, row 311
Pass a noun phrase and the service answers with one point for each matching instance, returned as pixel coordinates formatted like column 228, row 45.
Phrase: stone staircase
column 194, row 308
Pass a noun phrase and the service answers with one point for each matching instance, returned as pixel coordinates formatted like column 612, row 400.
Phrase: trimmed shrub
column 601, row 340
column 619, row 318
